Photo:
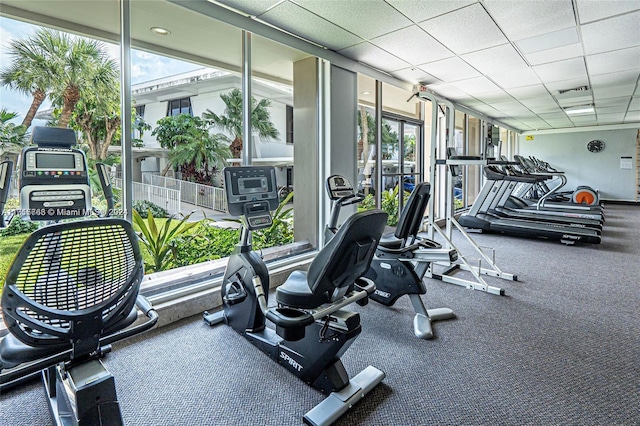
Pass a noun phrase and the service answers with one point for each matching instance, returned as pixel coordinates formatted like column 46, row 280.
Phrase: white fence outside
column 164, row 197
column 210, row 197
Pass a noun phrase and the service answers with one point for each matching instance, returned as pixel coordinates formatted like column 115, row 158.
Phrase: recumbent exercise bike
column 402, row 258
column 312, row 330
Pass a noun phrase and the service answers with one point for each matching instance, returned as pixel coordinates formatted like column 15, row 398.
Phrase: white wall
column 568, row 152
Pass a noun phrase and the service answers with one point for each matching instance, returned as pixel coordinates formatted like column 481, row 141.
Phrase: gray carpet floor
column 561, row 348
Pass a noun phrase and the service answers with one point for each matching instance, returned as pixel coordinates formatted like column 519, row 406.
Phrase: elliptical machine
column 402, row 258
column 312, row 330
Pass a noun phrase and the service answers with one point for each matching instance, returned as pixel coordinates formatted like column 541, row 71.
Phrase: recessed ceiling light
column 580, row 109
column 366, row 92
column 160, row 30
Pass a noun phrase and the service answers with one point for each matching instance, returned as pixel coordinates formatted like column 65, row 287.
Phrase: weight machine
column 486, row 265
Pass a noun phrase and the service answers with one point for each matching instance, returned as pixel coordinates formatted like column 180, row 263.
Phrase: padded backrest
column 412, row 214
column 348, row 255
column 71, row 281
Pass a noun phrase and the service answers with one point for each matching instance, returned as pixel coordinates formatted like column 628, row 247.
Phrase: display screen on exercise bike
column 252, row 193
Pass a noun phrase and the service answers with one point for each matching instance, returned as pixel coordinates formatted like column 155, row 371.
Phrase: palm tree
column 204, row 151
column 231, row 121
column 10, row 134
column 29, row 73
column 55, row 64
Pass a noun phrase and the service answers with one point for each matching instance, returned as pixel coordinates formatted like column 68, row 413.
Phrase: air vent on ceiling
column 574, row 90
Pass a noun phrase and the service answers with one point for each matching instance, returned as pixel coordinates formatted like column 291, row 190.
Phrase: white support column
column 125, row 108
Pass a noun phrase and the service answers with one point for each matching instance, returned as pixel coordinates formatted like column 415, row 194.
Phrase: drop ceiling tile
column 415, row 75
column 576, row 100
column 413, row 45
column 497, row 96
column 632, row 116
column 374, row 56
column 538, row 101
column 451, row 69
column 583, row 119
column 503, row 58
column 635, row 104
column 251, row 7
column 613, row 91
column 553, row 116
column 299, row 21
column 561, row 70
column 615, row 61
column 548, row 41
column 487, row 110
column 554, row 55
column 617, row 117
column 611, row 102
column 476, row 85
column 560, row 123
column 610, row 109
column 474, row 29
column 514, row 77
column 527, row 92
column 367, row 21
column 417, row 11
column 615, row 78
column 546, row 109
column 589, row 10
column 519, row 20
column 611, row 34
column 449, row 91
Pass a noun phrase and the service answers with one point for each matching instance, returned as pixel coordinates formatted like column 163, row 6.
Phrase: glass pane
column 411, row 138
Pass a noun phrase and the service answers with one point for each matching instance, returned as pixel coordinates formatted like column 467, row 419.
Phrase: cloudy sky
column 145, row 66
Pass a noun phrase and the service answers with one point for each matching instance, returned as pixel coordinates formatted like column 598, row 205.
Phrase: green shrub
column 205, row 242
column 143, row 206
column 18, row 226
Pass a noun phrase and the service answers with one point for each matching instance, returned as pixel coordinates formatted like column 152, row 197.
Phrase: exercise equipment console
column 312, row 330
column 54, row 180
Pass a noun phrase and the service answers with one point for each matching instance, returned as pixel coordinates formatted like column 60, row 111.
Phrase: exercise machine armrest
column 435, row 255
column 365, row 284
column 289, row 317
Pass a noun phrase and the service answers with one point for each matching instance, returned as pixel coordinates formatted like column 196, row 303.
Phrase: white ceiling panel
column 553, row 55
column 526, row 92
column 561, row 70
column 522, row 19
column 539, row 101
column 374, row 56
column 418, row 11
column 251, row 7
column 476, row 85
column 413, row 45
column 487, row 110
column 583, row 120
column 615, row 78
column 549, row 41
column 610, row 109
column 551, row 108
column 620, row 31
column 514, row 106
column 553, row 116
column 299, row 21
column 449, row 91
column 514, row 77
column 575, row 100
column 415, row 75
column 612, row 91
column 611, row 102
column 632, row 116
column 367, row 21
column 560, row 123
column 536, row 123
column 635, row 104
column 491, row 97
column 451, row 69
column 590, row 10
column 615, row 61
column 474, row 29
column 497, row 59
column 611, row 118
